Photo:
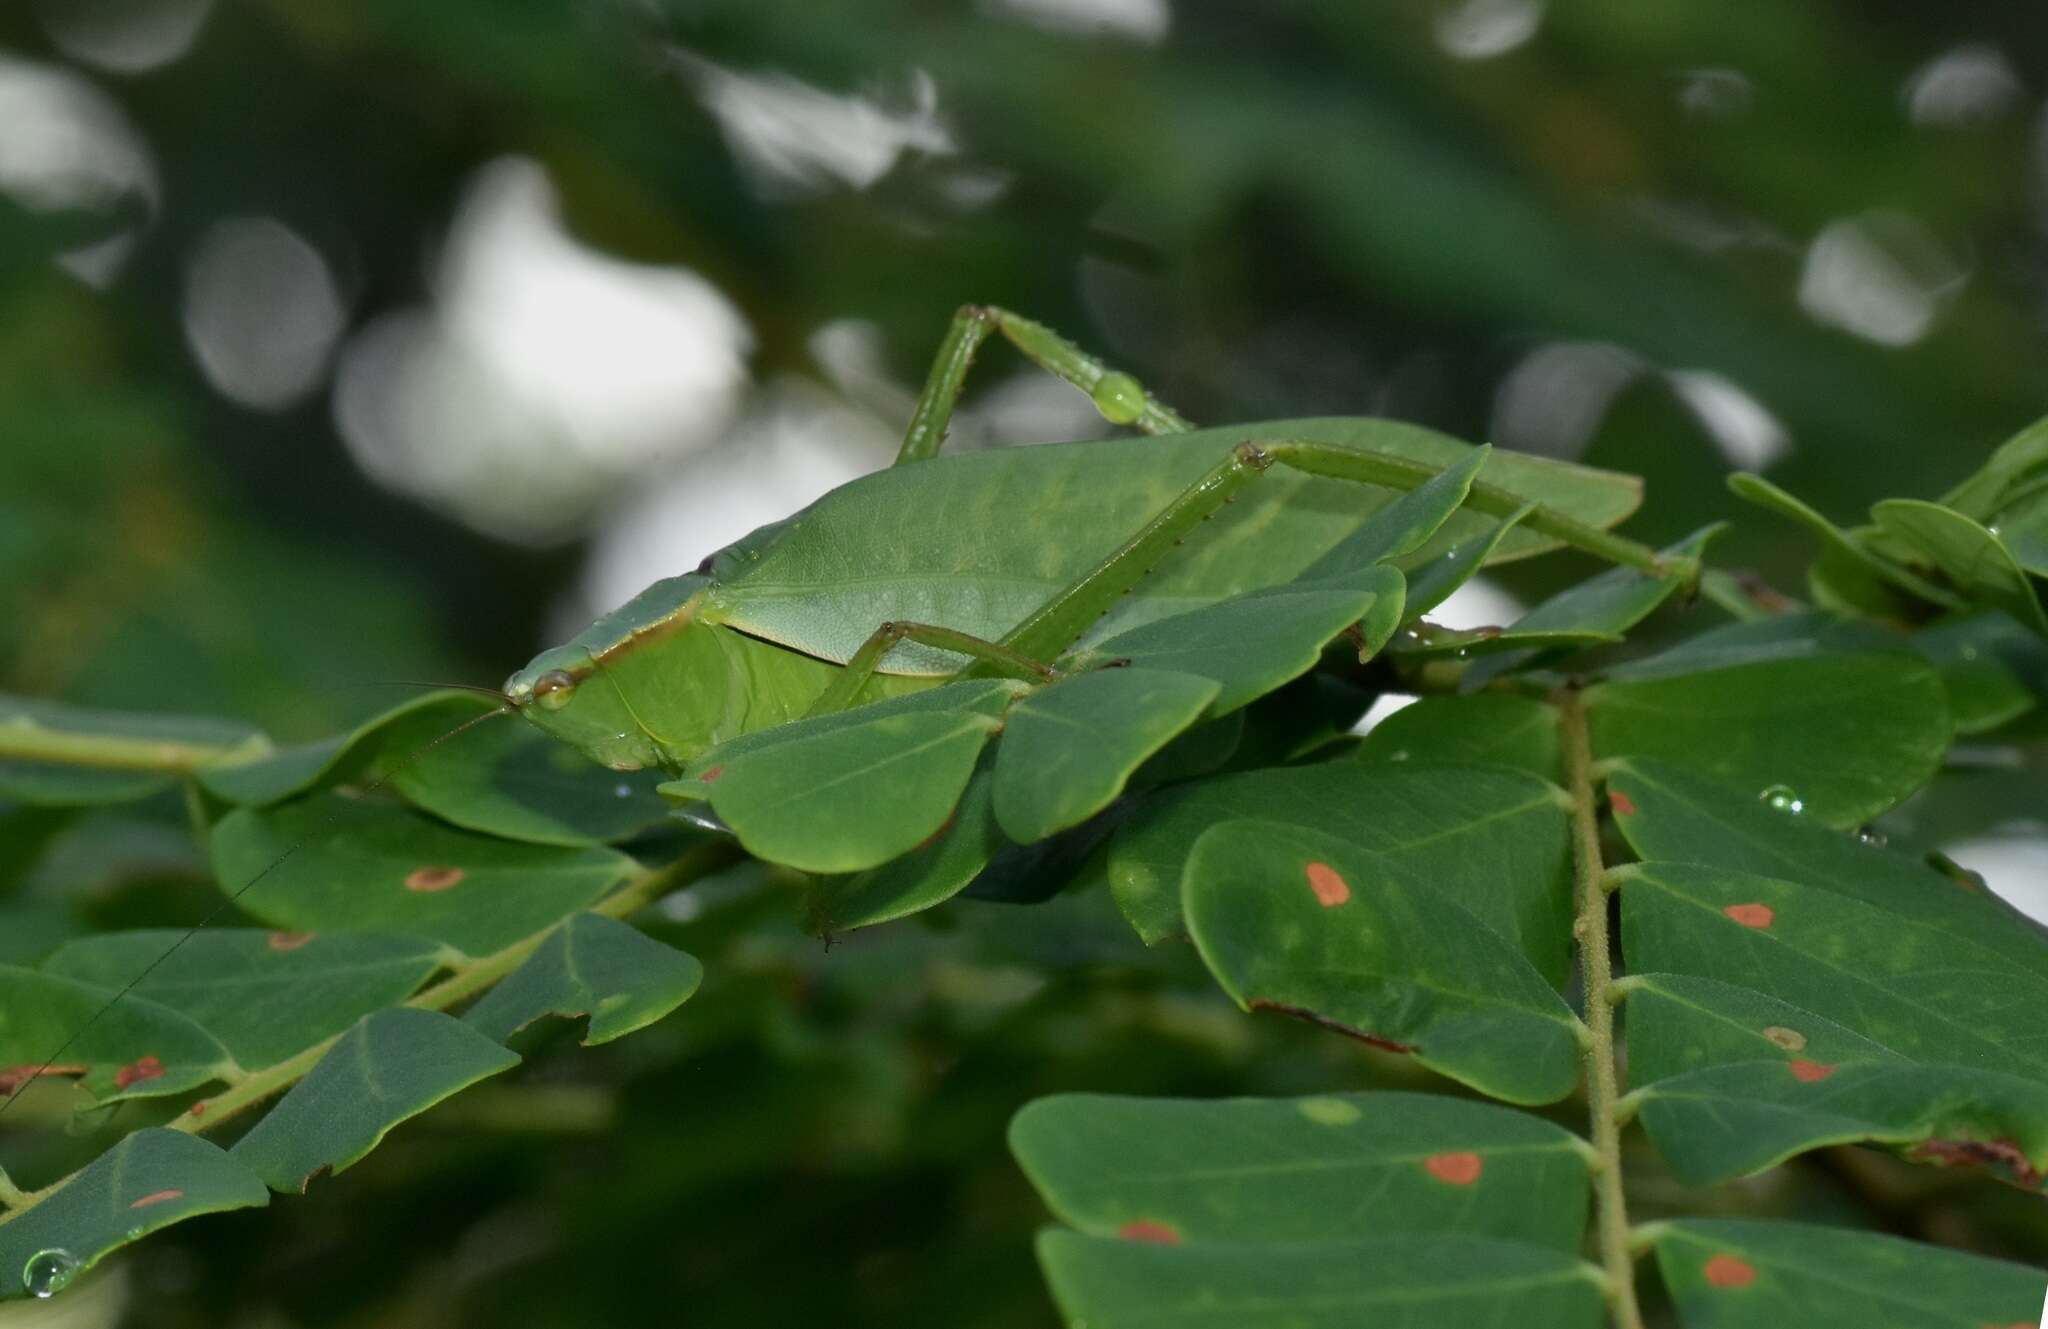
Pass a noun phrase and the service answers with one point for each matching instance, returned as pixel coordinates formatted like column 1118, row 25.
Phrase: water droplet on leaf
column 1871, row 836
column 1783, row 798
column 48, row 1272
column 623, row 791
column 1120, row 399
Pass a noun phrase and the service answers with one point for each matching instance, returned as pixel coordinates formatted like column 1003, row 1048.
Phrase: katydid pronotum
column 942, row 629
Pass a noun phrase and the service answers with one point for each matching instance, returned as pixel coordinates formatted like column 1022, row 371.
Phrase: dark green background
column 1277, row 209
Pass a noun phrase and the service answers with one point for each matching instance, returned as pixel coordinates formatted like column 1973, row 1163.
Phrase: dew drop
column 49, row 1272
column 622, row 791
column 1120, row 399
column 1871, row 836
column 1782, row 797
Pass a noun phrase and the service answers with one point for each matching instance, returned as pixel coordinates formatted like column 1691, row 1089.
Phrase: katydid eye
column 554, row 689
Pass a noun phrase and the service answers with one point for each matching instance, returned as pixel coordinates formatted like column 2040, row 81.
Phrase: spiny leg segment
column 1117, row 395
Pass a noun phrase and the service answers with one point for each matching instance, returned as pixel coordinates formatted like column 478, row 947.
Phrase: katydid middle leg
column 865, row 662
column 1118, row 396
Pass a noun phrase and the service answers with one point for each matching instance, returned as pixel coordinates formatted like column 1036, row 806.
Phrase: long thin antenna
column 14, row 1091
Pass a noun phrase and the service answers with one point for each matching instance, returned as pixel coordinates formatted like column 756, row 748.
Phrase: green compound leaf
column 265, row 995
column 1308, row 925
column 1959, row 1070
column 1844, row 736
column 1067, row 749
column 1745, row 1274
column 1972, row 557
column 332, row 865
column 845, row 797
column 930, row 874
column 1407, row 1282
column 274, row 777
column 2016, row 462
column 1493, row 842
column 1328, row 1168
column 1670, row 814
column 507, row 778
column 150, row 1180
column 392, row 1065
column 591, row 966
column 1482, row 729
column 194, row 742
column 1433, row 582
column 1863, row 578
column 1257, row 642
column 1597, row 610
column 1404, row 525
column 1983, row 661
column 131, row 1048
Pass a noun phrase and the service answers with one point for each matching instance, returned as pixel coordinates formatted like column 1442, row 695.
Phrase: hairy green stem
column 1603, row 1076
column 22, row 739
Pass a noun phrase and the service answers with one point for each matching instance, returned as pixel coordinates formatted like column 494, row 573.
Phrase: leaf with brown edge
column 594, row 966
column 127, row 1048
column 148, row 1181
column 1847, row 1022
column 1390, row 960
column 391, row 1066
column 1750, row 1274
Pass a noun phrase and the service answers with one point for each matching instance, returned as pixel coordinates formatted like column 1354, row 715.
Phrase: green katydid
column 899, row 618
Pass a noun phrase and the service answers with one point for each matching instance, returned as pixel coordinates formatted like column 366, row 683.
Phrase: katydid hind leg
column 991, row 659
column 1119, row 397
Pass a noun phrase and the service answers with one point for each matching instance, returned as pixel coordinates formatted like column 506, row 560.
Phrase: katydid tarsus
column 929, row 628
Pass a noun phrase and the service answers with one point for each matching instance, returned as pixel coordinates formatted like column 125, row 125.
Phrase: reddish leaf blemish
column 1810, row 1072
column 2002, row 1155
column 138, row 1071
column 1727, row 1271
column 1623, row 805
column 429, row 879
column 15, row 1078
column 1145, row 1229
column 711, row 774
column 1751, row 915
column 1331, row 889
column 289, row 941
column 157, row 1197
column 1460, row 1168
column 197, row 1109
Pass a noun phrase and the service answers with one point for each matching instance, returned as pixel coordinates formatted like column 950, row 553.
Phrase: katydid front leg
column 1118, row 396
column 993, row 657
column 1061, row 621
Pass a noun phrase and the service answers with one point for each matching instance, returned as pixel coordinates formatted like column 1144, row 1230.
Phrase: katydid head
column 564, row 693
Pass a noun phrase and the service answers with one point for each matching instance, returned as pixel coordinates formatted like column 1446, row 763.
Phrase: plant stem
column 22, row 739
column 466, row 981
column 1603, row 1076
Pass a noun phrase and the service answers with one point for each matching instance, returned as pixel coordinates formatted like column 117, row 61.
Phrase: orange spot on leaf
column 1623, row 805
column 1145, row 1229
column 197, row 1109
column 1808, row 1072
column 711, row 774
column 1461, row 1168
column 138, row 1071
column 157, row 1197
column 289, row 941
column 1751, row 915
column 1727, row 1271
column 1331, row 889
column 429, row 879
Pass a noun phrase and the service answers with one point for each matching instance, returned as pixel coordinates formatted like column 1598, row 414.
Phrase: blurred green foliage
column 1277, row 210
